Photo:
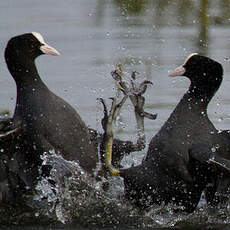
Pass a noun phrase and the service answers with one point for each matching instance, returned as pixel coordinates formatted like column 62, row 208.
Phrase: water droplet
column 37, row 214
column 213, row 149
column 220, row 119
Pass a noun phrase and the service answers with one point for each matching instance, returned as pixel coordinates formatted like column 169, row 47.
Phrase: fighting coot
column 177, row 165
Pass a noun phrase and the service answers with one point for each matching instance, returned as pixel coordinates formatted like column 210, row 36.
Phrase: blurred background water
column 151, row 37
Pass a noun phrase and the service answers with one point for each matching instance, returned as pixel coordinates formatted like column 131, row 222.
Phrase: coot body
column 49, row 122
column 169, row 173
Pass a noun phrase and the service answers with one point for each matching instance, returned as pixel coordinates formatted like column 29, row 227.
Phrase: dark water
column 151, row 37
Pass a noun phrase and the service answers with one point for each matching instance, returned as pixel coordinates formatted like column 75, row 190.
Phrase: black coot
column 169, row 173
column 49, row 122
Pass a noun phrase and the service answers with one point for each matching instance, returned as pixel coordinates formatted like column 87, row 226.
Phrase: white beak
column 47, row 49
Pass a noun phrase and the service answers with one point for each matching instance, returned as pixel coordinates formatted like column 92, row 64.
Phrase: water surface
column 151, row 37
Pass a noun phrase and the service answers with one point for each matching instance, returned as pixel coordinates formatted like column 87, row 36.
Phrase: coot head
column 203, row 72
column 20, row 54
column 28, row 46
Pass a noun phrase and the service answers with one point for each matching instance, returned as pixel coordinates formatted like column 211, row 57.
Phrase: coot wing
column 205, row 154
column 8, row 128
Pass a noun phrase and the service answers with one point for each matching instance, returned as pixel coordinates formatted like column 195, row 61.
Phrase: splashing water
column 70, row 195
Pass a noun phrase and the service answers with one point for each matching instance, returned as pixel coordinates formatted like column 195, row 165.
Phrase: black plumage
column 47, row 121
column 176, row 167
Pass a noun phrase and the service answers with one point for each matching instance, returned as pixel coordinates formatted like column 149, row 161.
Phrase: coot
column 49, row 122
column 174, row 169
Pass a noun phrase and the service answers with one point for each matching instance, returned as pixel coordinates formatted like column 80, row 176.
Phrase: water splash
column 71, row 196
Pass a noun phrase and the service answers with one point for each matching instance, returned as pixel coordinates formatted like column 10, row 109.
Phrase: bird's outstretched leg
column 108, row 123
column 135, row 91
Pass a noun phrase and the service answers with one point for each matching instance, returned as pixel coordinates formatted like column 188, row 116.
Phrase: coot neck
column 194, row 102
column 30, row 87
column 200, row 95
column 25, row 75
column 189, row 103
column 191, row 108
